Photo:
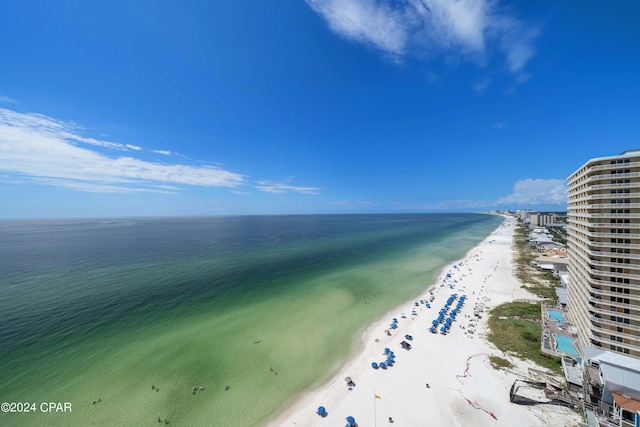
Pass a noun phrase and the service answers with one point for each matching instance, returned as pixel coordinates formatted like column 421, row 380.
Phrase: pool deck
column 550, row 327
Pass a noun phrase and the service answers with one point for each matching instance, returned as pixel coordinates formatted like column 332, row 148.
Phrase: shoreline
column 442, row 379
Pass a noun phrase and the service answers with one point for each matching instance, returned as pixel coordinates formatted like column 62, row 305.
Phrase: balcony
column 602, row 293
column 589, row 195
column 608, row 313
column 603, row 273
column 626, row 266
column 635, row 339
column 611, row 215
column 613, row 205
column 613, row 166
column 610, row 176
column 604, row 254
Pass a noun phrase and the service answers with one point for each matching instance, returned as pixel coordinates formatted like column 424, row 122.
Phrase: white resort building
column 604, row 252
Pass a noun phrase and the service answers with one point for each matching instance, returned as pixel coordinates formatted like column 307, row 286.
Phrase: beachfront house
column 611, row 386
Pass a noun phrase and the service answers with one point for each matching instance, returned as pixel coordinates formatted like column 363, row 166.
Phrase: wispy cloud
column 284, row 187
column 471, row 29
column 531, row 191
column 163, row 152
column 44, row 150
column 482, row 85
column 527, row 193
column 7, row 101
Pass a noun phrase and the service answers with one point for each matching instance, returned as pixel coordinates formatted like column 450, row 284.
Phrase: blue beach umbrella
column 382, row 365
column 387, row 350
column 321, row 410
column 374, row 365
column 351, row 420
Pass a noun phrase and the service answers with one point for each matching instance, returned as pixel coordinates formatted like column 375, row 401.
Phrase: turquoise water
column 565, row 345
column 101, row 310
column 556, row 315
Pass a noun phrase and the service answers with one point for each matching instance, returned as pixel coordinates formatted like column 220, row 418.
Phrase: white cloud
column 468, row 28
column 375, row 24
column 537, row 192
column 44, row 150
column 339, row 202
column 283, row 187
column 7, row 100
column 163, row 152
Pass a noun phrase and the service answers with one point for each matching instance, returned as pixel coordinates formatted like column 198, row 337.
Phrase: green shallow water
column 158, row 322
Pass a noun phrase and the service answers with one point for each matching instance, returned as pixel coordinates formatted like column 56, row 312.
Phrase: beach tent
column 321, row 411
column 405, row 345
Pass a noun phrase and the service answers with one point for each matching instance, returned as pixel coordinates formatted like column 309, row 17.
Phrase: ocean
column 122, row 318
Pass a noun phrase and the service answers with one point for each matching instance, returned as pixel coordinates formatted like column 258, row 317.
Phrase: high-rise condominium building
column 604, row 252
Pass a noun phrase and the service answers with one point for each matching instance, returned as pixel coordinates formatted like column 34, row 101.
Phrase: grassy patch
column 499, row 362
column 539, row 283
column 515, row 328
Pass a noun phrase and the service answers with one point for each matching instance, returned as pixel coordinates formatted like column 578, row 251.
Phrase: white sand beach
column 443, row 380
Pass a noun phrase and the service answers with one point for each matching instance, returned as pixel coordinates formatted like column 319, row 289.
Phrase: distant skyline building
column 604, row 252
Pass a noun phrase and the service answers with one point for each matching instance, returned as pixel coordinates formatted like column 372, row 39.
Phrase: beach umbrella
column 387, row 350
column 347, row 379
column 382, row 365
column 374, row 365
column 351, row 420
column 321, row 410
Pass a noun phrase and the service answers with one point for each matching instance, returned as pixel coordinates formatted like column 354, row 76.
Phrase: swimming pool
column 557, row 315
column 565, row 345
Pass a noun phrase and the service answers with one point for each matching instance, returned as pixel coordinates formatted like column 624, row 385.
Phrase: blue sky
column 125, row 108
